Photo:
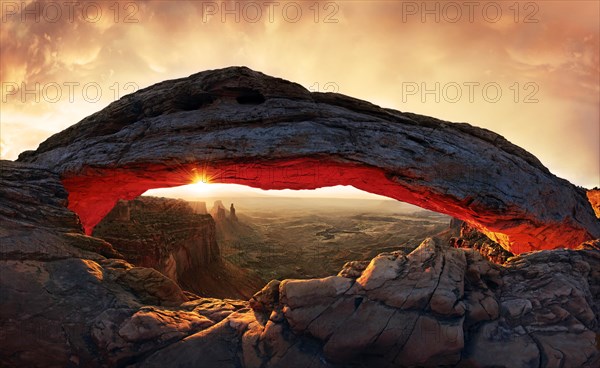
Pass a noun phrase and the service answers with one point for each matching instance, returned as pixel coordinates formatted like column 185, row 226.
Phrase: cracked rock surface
column 454, row 309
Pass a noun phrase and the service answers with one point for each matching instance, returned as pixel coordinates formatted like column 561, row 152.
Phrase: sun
column 201, row 181
column 201, row 186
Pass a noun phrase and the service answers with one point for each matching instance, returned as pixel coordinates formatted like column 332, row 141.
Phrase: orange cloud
column 542, row 55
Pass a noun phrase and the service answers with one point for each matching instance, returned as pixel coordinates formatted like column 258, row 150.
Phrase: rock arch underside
column 239, row 126
column 68, row 299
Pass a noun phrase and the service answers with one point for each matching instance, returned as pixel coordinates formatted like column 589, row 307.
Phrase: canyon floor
column 280, row 238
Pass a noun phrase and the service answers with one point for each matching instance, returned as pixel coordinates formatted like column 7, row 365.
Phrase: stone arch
column 240, row 126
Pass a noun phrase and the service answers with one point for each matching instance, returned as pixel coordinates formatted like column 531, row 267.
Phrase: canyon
column 71, row 298
column 301, row 238
column 168, row 236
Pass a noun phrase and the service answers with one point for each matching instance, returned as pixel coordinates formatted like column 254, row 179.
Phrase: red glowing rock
column 594, row 198
column 240, row 126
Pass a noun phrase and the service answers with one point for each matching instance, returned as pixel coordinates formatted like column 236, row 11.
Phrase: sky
column 526, row 70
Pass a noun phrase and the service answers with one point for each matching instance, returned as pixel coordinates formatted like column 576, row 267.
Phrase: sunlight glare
column 201, row 186
column 201, row 182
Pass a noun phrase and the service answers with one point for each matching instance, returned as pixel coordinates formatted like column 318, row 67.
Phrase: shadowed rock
column 167, row 235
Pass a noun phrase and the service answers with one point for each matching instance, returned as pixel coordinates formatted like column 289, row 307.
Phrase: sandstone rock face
column 240, row 126
column 36, row 225
column 54, row 280
column 218, row 211
column 199, row 207
column 161, row 233
column 68, row 300
column 473, row 239
column 167, row 235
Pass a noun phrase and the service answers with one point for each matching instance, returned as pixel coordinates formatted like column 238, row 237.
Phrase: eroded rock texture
column 55, row 280
column 69, row 300
column 167, row 235
column 161, row 233
column 470, row 238
column 437, row 306
column 236, row 125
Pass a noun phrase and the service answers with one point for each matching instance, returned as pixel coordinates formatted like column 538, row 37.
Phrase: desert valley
column 266, row 238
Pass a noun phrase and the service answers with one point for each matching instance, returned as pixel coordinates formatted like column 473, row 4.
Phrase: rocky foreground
column 70, row 300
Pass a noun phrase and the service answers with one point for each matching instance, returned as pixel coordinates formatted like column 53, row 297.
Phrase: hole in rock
column 188, row 102
column 247, row 96
column 94, row 191
column 250, row 99
column 222, row 259
column 228, row 241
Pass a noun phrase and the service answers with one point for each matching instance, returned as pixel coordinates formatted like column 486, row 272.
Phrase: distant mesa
column 161, row 233
column 232, row 214
column 120, row 213
column 220, row 214
column 218, row 211
column 198, row 207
